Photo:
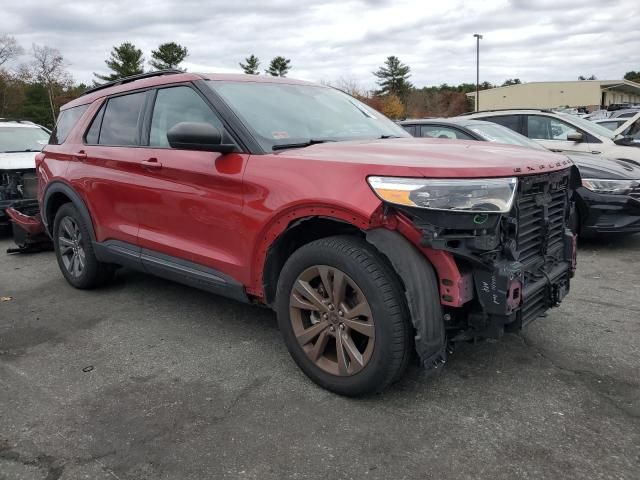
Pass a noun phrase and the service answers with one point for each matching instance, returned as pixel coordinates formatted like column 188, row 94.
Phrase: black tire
column 93, row 273
column 383, row 292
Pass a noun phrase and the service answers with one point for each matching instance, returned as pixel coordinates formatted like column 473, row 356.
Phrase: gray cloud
column 530, row 39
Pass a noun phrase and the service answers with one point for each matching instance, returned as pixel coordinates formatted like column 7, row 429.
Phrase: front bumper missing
column 510, row 295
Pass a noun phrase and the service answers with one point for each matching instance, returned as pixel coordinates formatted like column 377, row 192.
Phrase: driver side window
column 548, row 128
column 174, row 105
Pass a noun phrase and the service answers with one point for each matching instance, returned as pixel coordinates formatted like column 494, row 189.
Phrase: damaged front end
column 496, row 271
column 19, row 209
column 16, row 186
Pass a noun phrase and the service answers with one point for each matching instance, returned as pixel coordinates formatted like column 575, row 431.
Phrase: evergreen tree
column 393, row 78
column 125, row 60
column 279, row 67
column 168, row 55
column 632, row 76
column 252, row 65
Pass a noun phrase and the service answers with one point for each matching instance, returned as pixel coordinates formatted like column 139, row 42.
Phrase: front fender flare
column 421, row 289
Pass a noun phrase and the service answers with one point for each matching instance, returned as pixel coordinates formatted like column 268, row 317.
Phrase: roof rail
column 546, row 110
column 132, row 78
column 16, row 120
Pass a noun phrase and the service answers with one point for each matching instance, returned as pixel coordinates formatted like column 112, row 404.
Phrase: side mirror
column 575, row 137
column 622, row 140
column 197, row 136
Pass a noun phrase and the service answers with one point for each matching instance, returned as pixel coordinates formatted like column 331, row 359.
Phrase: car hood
column 443, row 158
column 593, row 166
column 627, row 124
column 17, row 161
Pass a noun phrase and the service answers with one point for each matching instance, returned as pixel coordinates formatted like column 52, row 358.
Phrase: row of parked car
column 609, row 160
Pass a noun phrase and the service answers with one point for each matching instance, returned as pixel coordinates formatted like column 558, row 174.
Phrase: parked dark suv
column 366, row 242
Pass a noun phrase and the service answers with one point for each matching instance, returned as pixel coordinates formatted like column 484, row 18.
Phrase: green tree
column 632, row 76
column 511, row 81
column 393, row 78
column 279, row 67
column 582, row 77
column 251, row 66
column 125, row 60
column 168, row 55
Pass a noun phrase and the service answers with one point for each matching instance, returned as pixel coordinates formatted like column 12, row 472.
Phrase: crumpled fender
column 421, row 290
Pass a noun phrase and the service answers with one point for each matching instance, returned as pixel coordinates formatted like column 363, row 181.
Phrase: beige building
column 579, row 93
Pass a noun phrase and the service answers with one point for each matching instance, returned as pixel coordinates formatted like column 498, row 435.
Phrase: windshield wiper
column 20, row 151
column 308, row 143
column 382, row 137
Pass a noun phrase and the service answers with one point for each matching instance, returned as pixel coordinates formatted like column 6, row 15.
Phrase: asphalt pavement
column 148, row 379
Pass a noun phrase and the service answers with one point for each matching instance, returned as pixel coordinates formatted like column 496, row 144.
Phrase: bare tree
column 9, row 48
column 49, row 70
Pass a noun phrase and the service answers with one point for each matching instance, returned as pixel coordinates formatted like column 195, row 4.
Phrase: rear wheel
column 74, row 250
column 342, row 314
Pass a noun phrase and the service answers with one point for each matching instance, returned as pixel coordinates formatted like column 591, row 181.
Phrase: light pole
column 478, row 38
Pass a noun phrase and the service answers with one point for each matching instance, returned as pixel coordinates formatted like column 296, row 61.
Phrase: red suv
column 370, row 245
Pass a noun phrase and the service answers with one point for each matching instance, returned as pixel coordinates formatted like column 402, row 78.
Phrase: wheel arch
column 298, row 232
column 57, row 194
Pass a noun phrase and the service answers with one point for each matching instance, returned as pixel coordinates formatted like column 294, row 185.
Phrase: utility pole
column 478, row 38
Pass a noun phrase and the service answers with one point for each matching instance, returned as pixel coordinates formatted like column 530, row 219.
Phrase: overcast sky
column 326, row 40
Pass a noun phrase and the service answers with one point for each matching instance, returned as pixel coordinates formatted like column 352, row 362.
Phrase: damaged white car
column 19, row 143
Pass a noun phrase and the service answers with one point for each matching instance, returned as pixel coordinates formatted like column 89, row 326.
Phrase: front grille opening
column 541, row 206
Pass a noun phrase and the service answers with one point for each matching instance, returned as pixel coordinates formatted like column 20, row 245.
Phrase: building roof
column 622, row 85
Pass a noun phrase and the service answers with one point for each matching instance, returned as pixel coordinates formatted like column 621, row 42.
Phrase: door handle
column 81, row 155
column 152, row 163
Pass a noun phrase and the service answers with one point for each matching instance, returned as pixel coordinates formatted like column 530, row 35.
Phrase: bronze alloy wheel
column 332, row 320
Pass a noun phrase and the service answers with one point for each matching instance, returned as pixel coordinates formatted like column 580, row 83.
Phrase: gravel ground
column 147, row 379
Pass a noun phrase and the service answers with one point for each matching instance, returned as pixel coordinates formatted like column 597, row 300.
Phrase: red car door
column 107, row 170
column 190, row 207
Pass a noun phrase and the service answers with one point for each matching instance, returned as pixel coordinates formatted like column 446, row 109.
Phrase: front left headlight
column 614, row 187
column 471, row 195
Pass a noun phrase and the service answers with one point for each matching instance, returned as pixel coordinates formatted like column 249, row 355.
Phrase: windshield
column 22, row 139
column 492, row 132
column 588, row 125
column 287, row 114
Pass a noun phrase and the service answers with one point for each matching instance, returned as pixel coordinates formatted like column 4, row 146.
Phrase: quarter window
column 174, row 105
column 439, row 131
column 121, row 119
column 66, row 121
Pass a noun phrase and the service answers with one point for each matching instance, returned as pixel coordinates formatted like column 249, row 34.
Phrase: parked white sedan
column 561, row 132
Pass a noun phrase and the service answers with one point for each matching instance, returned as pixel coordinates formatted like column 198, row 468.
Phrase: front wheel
column 342, row 313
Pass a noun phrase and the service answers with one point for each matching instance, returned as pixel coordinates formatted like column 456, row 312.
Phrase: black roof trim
column 132, row 78
column 545, row 110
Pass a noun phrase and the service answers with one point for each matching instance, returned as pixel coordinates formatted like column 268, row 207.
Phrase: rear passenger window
column 174, row 105
column 120, row 120
column 509, row 121
column 66, row 121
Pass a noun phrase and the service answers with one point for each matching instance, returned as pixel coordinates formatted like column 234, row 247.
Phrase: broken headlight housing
column 471, row 195
column 615, row 187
